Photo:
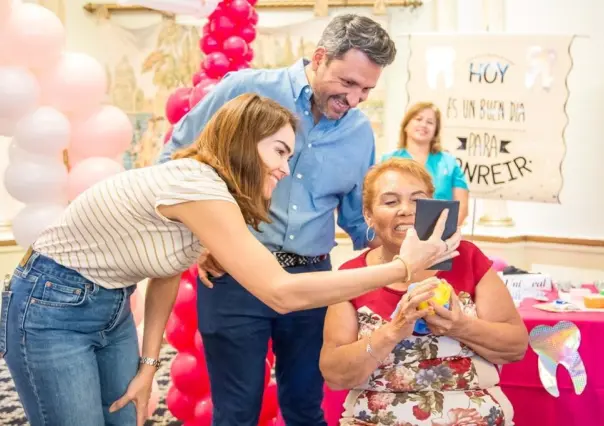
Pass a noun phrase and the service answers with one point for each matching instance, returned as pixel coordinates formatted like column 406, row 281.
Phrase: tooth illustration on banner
column 440, row 60
column 559, row 345
column 540, row 64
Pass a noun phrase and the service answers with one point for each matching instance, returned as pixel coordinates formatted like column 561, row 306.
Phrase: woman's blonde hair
column 229, row 144
column 404, row 166
column 411, row 114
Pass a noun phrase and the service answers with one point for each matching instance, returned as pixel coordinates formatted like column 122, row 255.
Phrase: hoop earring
column 367, row 234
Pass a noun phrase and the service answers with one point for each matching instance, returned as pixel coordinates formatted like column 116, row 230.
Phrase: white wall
column 582, row 200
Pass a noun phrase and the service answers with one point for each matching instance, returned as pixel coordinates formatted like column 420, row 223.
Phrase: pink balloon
column 203, row 412
column 178, row 104
column 179, row 333
column 239, row 10
column 198, row 341
column 180, row 405
column 185, row 305
column 200, row 91
column 235, row 47
column 209, row 44
column 499, row 264
column 270, row 405
column 248, row 33
column 88, row 172
column 76, row 84
column 36, row 36
column 198, row 77
column 216, row 65
column 107, row 132
column 168, row 134
column 190, row 375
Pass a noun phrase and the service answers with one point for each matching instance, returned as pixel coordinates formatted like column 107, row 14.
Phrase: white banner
column 503, row 100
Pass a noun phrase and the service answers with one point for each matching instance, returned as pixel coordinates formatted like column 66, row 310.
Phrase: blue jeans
column 70, row 345
column 236, row 327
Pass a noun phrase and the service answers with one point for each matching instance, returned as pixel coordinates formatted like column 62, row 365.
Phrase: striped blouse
column 113, row 234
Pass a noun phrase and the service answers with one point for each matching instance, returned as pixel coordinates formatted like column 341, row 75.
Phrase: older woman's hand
column 406, row 313
column 446, row 322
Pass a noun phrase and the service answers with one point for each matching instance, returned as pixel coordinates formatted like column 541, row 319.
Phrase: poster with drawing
column 503, row 102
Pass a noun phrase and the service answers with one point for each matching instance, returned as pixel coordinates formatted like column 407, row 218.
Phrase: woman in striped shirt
column 66, row 329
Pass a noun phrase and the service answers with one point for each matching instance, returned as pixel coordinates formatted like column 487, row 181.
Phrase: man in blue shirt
column 334, row 149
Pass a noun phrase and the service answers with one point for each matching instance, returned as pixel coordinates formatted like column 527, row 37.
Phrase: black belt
column 289, row 259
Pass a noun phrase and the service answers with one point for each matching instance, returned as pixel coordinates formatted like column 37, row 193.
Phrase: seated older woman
column 396, row 377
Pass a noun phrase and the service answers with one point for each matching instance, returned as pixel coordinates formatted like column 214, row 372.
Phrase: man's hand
column 206, row 264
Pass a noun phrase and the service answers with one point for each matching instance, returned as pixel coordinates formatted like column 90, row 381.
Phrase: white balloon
column 17, row 154
column 19, row 92
column 29, row 223
column 46, row 131
column 31, row 182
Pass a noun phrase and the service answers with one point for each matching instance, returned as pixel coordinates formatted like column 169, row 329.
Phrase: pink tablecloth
column 532, row 404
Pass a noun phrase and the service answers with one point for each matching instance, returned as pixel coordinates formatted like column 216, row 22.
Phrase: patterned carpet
column 11, row 412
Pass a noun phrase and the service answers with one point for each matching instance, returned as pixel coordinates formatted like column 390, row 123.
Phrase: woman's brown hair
column 229, row 144
column 412, row 112
column 404, row 166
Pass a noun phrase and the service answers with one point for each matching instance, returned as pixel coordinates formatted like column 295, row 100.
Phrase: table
column 533, row 405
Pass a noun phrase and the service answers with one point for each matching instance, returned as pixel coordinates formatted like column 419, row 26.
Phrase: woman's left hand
column 446, row 322
column 138, row 392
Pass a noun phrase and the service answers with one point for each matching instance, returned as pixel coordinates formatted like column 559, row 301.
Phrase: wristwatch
column 150, row 361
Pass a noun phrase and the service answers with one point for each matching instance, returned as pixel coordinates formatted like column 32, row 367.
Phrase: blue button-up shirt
column 329, row 163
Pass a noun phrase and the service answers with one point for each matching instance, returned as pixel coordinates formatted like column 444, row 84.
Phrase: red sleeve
column 468, row 268
column 357, row 262
column 480, row 262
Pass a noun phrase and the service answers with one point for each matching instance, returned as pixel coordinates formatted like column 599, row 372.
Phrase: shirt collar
column 298, row 79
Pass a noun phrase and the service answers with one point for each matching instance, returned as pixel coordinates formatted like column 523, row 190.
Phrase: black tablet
column 426, row 215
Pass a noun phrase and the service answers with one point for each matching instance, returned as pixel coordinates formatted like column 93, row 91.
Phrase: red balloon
column 198, row 343
column 179, row 333
column 249, row 55
column 248, row 33
column 178, row 104
column 221, row 26
column 216, row 65
column 239, row 10
column 185, row 305
column 168, row 134
column 235, row 47
column 267, row 373
column 236, row 66
column 180, row 405
column 208, row 44
column 252, row 2
column 203, row 412
column 270, row 405
column 190, row 375
column 270, row 355
column 253, row 19
column 205, row 29
column 199, row 92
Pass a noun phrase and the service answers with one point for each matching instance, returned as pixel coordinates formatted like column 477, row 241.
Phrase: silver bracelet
column 369, row 350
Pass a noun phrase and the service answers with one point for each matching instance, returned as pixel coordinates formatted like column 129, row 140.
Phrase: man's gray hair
column 351, row 31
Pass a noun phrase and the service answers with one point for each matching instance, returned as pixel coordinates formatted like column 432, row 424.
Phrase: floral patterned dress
column 428, row 380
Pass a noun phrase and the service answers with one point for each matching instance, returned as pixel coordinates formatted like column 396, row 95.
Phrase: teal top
column 442, row 166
